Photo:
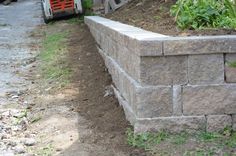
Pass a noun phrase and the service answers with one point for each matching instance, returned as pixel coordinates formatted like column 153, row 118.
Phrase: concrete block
column 230, row 71
column 200, row 45
column 153, row 102
column 217, row 123
column 206, row 69
column 129, row 114
column 164, row 70
column 172, row 124
column 149, row 48
column 234, row 122
column 177, row 100
column 129, row 62
column 205, row 100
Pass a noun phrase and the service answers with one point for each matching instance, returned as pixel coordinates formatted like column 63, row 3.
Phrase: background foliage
column 199, row 14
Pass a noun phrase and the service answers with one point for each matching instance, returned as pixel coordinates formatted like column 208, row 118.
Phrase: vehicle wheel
column 46, row 20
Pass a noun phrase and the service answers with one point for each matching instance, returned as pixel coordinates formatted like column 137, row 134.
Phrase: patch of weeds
column 3, row 24
column 208, row 136
column 46, row 151
column 200, row 152
column 145, row 140
column 54, row 67
column 157, row 18
column 36, row 119
column 231, row 142
column 179, row 139
column 75, row 20
column 20, row 117
column 232, row 64
column 202, row 14
column 87, row 4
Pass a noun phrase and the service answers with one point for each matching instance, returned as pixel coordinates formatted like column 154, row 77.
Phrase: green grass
column 232, row 64
column 145, row 140
column 75, row 20
column 231, row 142
column 164, row 143
column 54, row 67
column 179, row 139
column 208, row 136
column 200, row 152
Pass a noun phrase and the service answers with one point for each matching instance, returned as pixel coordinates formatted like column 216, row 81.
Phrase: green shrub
column 87, row 4
column 199, row 14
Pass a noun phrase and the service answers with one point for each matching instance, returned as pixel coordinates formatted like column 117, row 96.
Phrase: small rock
column 15, row 97
column 7, row 113
column 139, row 4
column 19, row 149
column 7, row 153
column 12, row 143
column 30, row 142
column 28, row 154
column 59, row 149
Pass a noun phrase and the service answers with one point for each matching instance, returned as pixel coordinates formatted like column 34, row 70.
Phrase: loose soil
column 78, row 120
column 154, row 15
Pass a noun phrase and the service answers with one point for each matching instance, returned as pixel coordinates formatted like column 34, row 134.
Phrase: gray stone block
column 123, row 82
column 200, row 45
column 149, row 48
column 206, row 69
column 230, row 71
column 230, row 74
column 230, row 57
column 153, row 102
column 234, row 121
column 172, row 124
column 129, row 62
column 205, row 100
column 217, row 123
column 177, row 100
column 164, row 70
column 129, row 114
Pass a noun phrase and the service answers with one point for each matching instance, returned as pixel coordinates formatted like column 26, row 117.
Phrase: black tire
column 45, row 19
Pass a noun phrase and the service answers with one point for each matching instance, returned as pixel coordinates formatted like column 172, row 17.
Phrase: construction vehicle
column 58, row 8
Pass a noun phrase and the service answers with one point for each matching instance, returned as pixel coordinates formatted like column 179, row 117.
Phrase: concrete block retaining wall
column 171, row 83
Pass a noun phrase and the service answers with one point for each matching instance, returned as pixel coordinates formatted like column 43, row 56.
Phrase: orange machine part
column 61, row 5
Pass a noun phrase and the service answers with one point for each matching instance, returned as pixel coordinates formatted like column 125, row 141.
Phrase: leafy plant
column 199, row 14
column 87, row 4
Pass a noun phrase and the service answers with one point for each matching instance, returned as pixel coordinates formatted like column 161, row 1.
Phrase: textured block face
column 129, row 62
column 204, row 100
column 217, row 123
column 206, row 69
column 164, row 70
column 153, row 102
column 230, row 70
column 172, row 124
column 198, row 45
column 234, row 122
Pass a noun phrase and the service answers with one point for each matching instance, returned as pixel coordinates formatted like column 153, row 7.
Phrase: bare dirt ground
column 154, row 15
column 78, row 120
